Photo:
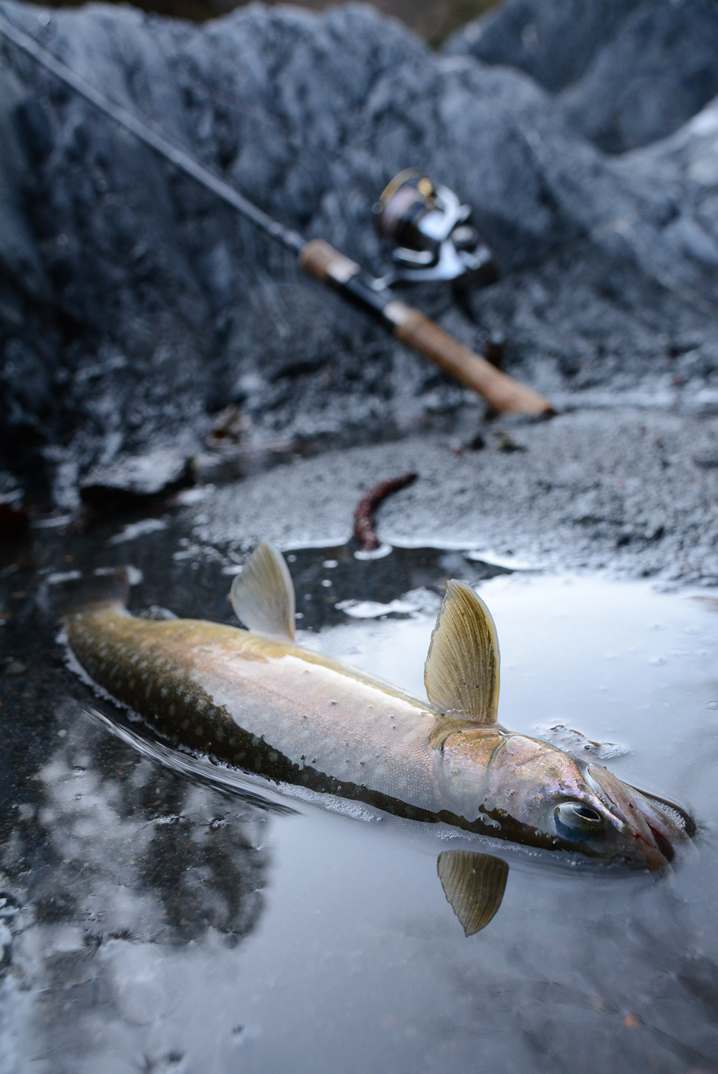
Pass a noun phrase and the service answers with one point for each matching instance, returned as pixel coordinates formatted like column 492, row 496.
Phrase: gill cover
column 263, row 594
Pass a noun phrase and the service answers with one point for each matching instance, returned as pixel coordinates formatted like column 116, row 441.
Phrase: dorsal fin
column 474, row 886
column 461, row 673
column 263, row 594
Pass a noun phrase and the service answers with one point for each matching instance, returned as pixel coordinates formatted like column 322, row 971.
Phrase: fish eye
column 576, row 820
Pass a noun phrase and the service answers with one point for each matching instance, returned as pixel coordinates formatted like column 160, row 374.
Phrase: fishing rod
column 317, row 257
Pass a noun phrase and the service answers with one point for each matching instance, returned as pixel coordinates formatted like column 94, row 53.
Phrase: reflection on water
column 153, row 922
column 115, row 863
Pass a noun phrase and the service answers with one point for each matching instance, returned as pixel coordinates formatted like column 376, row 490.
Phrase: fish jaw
column 659, row 830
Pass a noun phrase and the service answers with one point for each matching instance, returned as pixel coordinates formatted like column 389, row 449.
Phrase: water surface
column 154, row 922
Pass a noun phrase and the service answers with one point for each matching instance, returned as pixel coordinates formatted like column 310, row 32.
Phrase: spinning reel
column 434, row 236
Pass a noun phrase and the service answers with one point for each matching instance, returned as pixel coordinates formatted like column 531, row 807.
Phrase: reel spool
column 434, row 236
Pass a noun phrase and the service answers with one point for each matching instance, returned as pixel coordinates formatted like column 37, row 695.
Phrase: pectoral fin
column 461, row 673
column 263, row 594
column 474, row 886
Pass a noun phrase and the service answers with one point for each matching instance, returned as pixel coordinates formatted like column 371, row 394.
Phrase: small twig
column 364, row 529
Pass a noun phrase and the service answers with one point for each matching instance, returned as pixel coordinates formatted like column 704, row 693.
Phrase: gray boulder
column 627, row 72
column 554, row 41
column 135, row 307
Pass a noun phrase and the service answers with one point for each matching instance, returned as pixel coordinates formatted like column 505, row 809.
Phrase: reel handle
column 416, row 330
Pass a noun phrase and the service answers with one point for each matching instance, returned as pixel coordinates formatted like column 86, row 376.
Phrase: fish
column 256, row 700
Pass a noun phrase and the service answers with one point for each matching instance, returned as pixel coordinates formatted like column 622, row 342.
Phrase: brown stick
column 364, row 527
column 500, row 390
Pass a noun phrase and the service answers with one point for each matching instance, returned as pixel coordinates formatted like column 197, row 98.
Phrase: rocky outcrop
column 135, row 307
column 626, row 72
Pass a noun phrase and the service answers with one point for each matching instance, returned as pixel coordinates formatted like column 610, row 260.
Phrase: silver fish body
column 269, row 706
column 272, row 708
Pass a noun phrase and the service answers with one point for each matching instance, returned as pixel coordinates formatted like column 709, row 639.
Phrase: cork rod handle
column 500, row 390
column 410, row 326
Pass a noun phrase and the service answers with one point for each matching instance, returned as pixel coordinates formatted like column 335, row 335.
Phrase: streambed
column 154, row 922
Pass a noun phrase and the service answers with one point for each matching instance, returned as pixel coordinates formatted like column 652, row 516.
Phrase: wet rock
column 475, row 443
column 554, row 41
column 229, row 427
column 707, row 461
column 15, row 667
column 14, row 519
column 507, row 444
column 132, row 481
column 135, row 308
column 627, row 71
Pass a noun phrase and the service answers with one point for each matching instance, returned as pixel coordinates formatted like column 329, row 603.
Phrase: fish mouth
column 675, row 813
column 671, row 825
column 655, row 830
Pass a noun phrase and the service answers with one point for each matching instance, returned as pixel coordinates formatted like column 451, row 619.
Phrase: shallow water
column 155, row 922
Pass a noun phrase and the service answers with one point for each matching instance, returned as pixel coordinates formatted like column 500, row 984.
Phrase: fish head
column 532, row 791
column 539, row 795
column 592, row 811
